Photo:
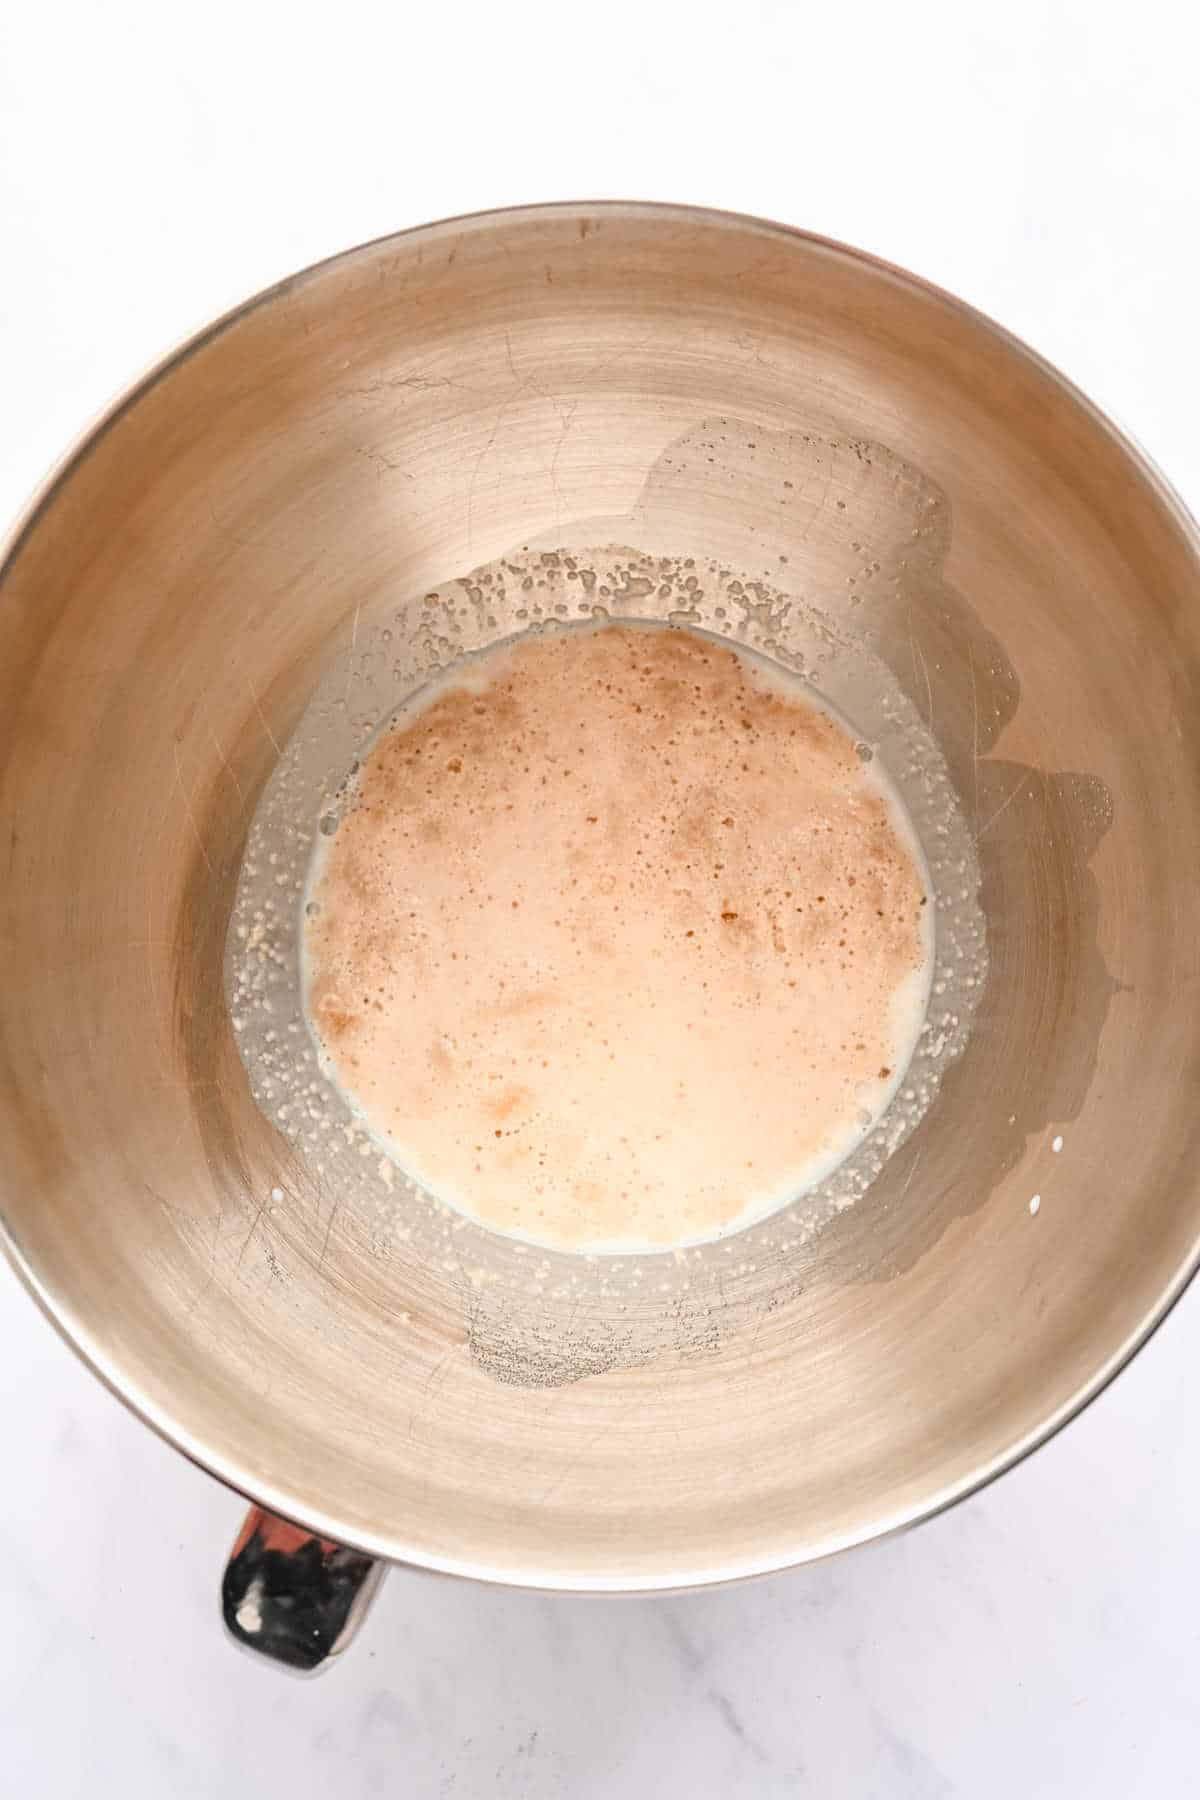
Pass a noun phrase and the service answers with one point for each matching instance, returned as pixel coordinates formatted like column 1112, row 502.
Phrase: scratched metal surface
column 955, row 517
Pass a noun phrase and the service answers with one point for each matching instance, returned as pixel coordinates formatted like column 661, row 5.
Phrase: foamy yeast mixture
column 619, row 942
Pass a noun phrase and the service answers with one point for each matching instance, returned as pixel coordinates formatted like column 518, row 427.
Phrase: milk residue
column 536, row 1315
column 616, row 939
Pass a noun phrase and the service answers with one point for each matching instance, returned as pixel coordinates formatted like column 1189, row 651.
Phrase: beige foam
column 619, row 942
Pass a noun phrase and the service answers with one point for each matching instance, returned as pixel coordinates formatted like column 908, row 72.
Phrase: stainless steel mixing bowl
column 359, row 437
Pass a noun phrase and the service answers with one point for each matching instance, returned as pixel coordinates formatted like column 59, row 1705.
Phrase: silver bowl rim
column 390, row 1547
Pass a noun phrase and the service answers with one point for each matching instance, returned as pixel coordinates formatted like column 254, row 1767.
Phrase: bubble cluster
column 619, row 941
column 621, row 1308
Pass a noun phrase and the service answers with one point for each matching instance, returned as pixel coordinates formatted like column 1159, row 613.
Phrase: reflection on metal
column 293, row 1597
column 924, row 497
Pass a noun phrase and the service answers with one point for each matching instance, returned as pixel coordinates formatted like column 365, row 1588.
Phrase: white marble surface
column 155, row 165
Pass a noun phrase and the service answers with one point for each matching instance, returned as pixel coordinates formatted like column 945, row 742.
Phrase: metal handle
column 293, row 1597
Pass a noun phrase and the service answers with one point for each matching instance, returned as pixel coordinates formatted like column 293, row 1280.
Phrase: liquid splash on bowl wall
column 540, row 1314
